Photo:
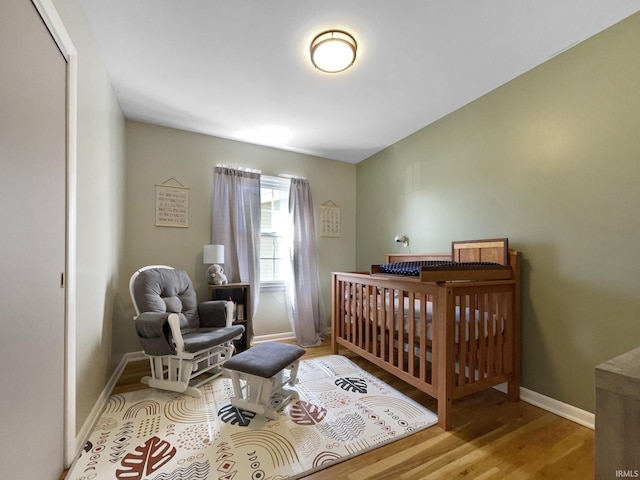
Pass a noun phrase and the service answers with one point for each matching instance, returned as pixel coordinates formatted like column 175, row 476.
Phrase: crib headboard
column 492, row 250
column 487, row 250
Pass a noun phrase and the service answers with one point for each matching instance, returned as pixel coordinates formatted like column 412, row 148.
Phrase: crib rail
column 447, row 339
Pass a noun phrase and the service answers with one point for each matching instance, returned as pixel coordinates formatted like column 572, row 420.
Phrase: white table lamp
column 214, row 255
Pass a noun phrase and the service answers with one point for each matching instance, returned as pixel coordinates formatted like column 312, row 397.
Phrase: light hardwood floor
column 492, row 438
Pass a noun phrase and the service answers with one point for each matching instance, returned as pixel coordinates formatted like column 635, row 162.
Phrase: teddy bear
column 216, row 275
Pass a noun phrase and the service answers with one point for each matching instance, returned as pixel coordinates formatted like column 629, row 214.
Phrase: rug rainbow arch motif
column 155, row 435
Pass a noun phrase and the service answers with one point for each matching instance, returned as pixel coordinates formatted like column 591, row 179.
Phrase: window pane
column 274, row 199
column 266, row 247
column 266, row 218
column 266, row 270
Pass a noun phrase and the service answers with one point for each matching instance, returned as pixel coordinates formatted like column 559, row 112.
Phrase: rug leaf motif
column 153, row 455
column 235, row 416
column 306, row 413
column 352, row 384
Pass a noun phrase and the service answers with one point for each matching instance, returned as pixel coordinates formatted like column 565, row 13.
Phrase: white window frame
column 274, row 183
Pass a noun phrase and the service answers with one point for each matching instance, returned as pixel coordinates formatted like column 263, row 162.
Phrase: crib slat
column 462, row 342
column 508, row 333
column 392, row 327
column 382, row 322
column 423, row 337
column 374, row 299
column 491, row 335
column 350, row 320
column 353, row 312
column 340, row 307
column 362, row 313
column 367, row 315
column 501, row 319
column 487, row 333
column 482, row 337
column 399, row 314
column 411, row 334
column 471, row 337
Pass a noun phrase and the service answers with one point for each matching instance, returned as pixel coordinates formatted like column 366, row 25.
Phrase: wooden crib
column 450, row 332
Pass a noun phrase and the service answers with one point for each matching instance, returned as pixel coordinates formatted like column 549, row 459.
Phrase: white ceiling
column 240, row 69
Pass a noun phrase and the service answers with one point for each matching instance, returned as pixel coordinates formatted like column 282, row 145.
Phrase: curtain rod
column 287, row 175
column 253, row 170
column 242, row 169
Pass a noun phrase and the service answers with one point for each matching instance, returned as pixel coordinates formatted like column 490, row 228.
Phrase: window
column 274, row 239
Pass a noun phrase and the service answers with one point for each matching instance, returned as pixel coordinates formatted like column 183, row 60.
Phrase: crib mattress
column 444, row 270
column 485, row 324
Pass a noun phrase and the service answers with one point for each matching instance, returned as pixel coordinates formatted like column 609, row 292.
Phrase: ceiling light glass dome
column 333, row 51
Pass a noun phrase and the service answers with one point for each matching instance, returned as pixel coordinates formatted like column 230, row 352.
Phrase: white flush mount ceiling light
column 333, row 51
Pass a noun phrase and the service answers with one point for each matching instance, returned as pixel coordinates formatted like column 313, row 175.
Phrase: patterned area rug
column 154, row 435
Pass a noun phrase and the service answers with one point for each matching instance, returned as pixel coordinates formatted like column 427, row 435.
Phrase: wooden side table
column 240, row 294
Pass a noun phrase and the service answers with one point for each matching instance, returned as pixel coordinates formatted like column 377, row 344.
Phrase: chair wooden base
column 186, row 372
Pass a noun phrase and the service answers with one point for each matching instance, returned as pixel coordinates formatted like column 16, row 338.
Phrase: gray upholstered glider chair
column 186, row 342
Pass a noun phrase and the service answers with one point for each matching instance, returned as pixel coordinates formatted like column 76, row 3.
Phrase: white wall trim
column 101, row 402
column 54, row 24
column 274, row 337
column 564, row 410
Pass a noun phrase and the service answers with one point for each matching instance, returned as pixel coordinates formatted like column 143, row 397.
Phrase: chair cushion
column 167, row 290
column 265, row 359
column 206, row 337
column 213, row 313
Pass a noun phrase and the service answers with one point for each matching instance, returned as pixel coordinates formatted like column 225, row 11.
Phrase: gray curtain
column 235, row 223
column 305, row 307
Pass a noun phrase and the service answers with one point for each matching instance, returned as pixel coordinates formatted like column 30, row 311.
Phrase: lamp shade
column 213, row 254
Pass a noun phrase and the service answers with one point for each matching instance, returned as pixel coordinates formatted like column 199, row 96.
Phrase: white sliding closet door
column 32, row 245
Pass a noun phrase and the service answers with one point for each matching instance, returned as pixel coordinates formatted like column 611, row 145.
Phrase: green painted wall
column 552, row 161
column 156, row 154
column 99, row 218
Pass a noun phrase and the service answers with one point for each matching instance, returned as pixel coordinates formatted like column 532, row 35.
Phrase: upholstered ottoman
column 260, row 376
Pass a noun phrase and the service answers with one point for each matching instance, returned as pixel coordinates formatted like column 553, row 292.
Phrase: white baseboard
column 274, row 337
column 96, row 411
column 564, row 410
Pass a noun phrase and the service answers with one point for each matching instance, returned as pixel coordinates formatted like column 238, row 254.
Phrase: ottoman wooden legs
column 261, row 376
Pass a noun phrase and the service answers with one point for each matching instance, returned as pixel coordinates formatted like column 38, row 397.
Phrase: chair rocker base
column 173, row 386
column 186, row 372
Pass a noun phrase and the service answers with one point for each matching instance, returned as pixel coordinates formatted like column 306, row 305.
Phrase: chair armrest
column 176, row 333
column 154, row 333
column 231, row 308
column 215, row 313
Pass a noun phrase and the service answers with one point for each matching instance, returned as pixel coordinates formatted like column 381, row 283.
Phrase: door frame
column 54, row 24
